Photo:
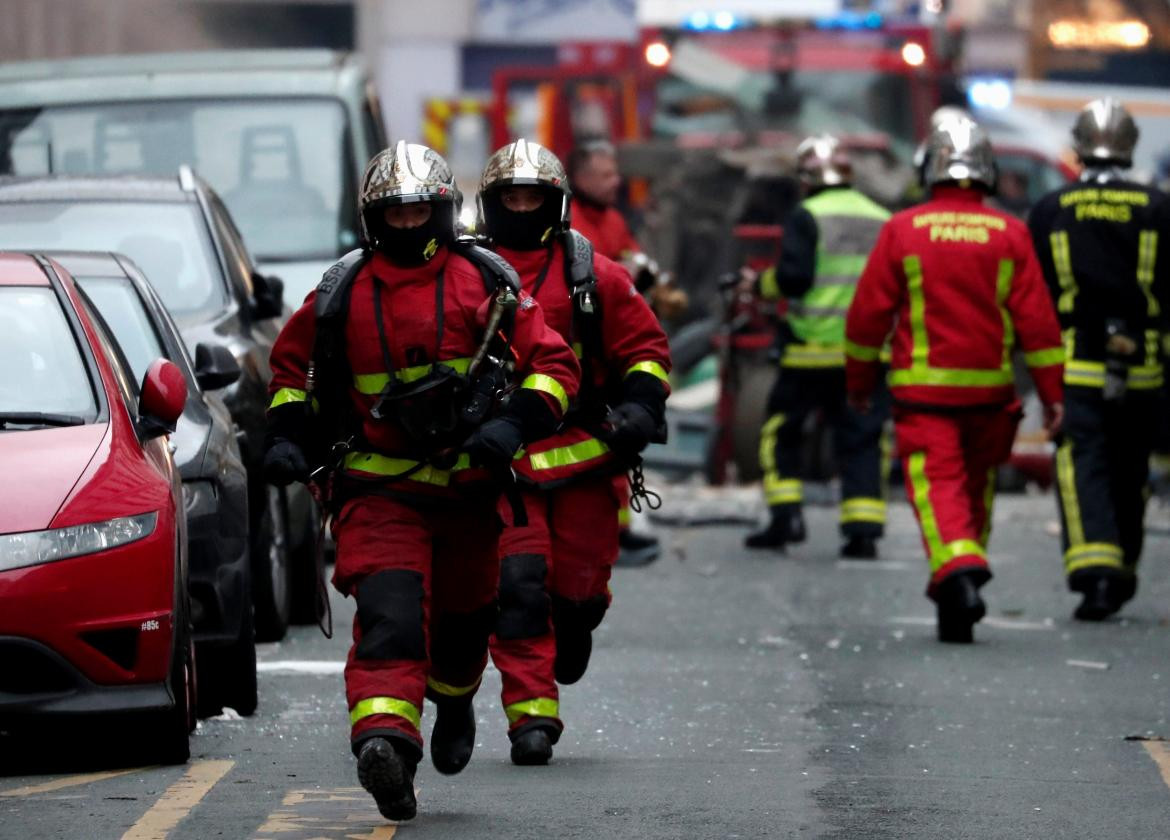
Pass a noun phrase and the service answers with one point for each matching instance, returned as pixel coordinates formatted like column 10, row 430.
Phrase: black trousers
column 857, row 444
column 1102, row 470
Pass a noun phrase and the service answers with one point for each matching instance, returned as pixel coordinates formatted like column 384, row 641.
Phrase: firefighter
column 595, row 181
column 824, row 248
column 555, row 567
column 960, row 286
column 1099, row 242
column 387, row 368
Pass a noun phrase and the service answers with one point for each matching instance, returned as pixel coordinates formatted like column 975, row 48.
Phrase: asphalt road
column 730, row 695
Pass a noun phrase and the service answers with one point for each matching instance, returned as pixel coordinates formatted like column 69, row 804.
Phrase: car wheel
column 227, row 674
column 751, row 404
column 271, row 580
column 169, row 737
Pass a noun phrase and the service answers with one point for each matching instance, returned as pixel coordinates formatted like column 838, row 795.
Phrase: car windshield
column 124, row 312
column 167, row 240
column 43, row 371
column 279, row 165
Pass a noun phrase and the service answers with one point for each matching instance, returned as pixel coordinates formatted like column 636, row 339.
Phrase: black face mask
column 522, row 231
column 409, row 247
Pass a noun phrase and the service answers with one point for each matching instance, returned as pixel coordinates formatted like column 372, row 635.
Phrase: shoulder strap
column 586, row 309
column 333, row 290
column 494, row 268
column 580, row 253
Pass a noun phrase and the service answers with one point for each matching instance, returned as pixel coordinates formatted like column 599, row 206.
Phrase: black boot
column 453, row 737
column 637, row 549
column 532, row 748
column 860, row 548
column 960, row 607
column 388, row 775
column 786, row 526
column 1103, row 596
column 574, row 645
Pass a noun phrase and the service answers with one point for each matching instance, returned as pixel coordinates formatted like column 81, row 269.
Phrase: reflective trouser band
column 769, row 286
column 448, row 690
column 375, row 464
column 290, row 395
column 988, row 506
column 374, row 383
column 768, row 434
column 784, row 491
column 813, row 355
column 940, row 553
column 653, row 368
column 386, row 706
column 545, row 383
column 863, row 510
column 1093, row 555
column 862, row 353
column 1067, row 482
column 1092, row 375
column 1044, row 358
column 545, row 707
column 568, row 456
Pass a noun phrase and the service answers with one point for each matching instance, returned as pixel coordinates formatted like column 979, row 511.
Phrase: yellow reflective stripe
column 813, row 355
column 385, row 706
column 545, row 383
column 567, row 456
column 624, row 516
column 1147, row 255
column 1092, row 375
column 652, row 368
column 920, row 496
column 1003, row 288
column 962, row 548
column 537, row 707
column 863, row 510
column 957, row 377
column 862, row 353
column 374, row 383
column 769, row 286
column 1062, row 261
column 1093, row 555
column 375, row 464
column 783, row 491
column 988, row 506
column 287, row 395
column 919, row 347
column 448, row 690
column 768, row 434
column 1067, row 481
column 1044, row 358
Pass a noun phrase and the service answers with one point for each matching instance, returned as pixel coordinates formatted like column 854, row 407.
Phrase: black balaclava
column 409, row 247
column 528, row 231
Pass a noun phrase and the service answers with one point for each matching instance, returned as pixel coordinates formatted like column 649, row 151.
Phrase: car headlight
column 199, row 499
column 32, row 548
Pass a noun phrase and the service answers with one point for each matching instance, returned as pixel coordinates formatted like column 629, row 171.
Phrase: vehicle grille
column 28, row 669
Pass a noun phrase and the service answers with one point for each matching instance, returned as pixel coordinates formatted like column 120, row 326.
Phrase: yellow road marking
column 178, row 800
column 69, row 781
column 1160, row 752
column 324, row 814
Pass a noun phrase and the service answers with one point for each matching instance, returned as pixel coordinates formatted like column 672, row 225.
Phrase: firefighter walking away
column 959, row 286
column 1099, row 242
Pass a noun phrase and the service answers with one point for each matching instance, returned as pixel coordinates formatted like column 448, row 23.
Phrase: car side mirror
column 267, row 296
column 161, row 399
column 215, row 366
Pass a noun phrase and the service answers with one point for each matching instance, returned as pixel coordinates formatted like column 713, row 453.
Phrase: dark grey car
column 215, row 483
column 181, row 236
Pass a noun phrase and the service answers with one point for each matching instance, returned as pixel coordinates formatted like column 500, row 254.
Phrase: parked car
column 182, row 237
column 215, row 483
column 94, row 612
column 283, row 135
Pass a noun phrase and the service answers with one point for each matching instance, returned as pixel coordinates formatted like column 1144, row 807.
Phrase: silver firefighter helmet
column 525, row 163
column 958, row 150
column 1105, row 133
column 940, row 115
column 822, row 162
column 406, row 173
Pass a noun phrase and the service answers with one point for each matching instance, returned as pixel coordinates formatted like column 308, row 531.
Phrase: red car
column 94, row 615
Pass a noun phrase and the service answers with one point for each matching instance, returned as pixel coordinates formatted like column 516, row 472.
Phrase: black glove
column 284, row 463
column 494, row 444
column 630, row 428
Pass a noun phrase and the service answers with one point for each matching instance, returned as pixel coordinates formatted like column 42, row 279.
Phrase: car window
column 128, row 387
column 280, row 165
column 43, row 368
column 126, row 316
column 236, row 256
column 167, row 240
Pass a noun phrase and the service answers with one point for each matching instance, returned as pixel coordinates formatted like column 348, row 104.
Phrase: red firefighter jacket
column 544, row 362
column 960, row 286
column 632, row 341
column 606, row 229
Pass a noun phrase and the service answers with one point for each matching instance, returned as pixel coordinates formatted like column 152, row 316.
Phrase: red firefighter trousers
column 949, row 461
column 425, row 584
column 554, row 569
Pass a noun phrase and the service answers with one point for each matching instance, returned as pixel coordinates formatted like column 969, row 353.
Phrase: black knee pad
column 460, row 640
column 390, row 612
column 524, row 603
column 585, row 614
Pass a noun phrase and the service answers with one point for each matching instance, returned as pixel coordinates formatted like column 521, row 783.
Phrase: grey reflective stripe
column 836, row 281
column 802, row 310
column 841, row 234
